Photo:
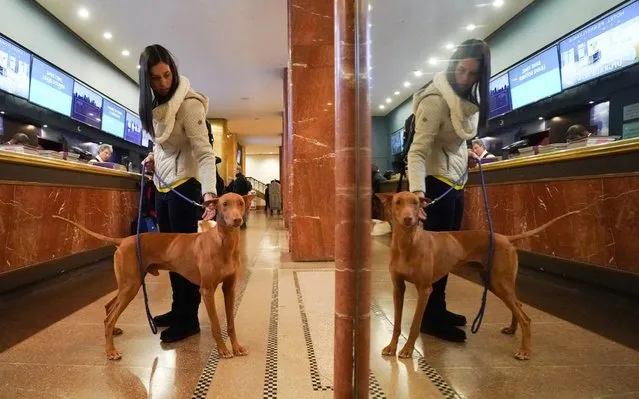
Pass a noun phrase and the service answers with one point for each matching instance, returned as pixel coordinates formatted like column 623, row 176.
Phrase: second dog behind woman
column 174, row 115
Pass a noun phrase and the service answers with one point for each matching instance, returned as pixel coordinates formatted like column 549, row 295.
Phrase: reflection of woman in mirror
column 446, row 113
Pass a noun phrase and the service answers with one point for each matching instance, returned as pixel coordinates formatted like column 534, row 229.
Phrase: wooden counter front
column 33, row 245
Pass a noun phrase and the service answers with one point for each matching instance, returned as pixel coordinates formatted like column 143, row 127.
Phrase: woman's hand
column 149, row 163
column 423, row 202
column 209, row 210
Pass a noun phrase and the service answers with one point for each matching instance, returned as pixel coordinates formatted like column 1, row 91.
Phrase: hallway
column 51, row 343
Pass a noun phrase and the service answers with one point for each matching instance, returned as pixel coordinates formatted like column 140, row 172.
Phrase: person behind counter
column 445, row 118
column 20, row 139
column 104, row 154
column 174, row 115
column 577, row 132
column 479, row 150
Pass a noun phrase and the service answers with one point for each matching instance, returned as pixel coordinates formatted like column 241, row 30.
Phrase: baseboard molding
column 20, row 278
column 610, row 279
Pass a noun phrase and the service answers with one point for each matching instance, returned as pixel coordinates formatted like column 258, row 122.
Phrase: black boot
column 185, row 321
column 179, row 331
column 454, row 319
column 444, row 331
column 163, row 320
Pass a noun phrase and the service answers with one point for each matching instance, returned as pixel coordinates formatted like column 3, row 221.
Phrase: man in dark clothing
column 241, row 186
column 377, row 180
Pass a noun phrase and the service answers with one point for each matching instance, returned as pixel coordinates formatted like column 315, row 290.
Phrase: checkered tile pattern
column 270, row 374
column 375, row 391
column 310, row 351
column 203, row 384
column 431, row 373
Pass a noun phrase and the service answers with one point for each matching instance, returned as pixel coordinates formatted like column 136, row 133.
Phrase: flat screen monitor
column 15, row 67
column 50, row 88
column 87, row 105
column 146, row 139
column 607, row 45
column 113, row 119
column 536, row 78
column 133, row 129
column 499, row 99
column 397, row 142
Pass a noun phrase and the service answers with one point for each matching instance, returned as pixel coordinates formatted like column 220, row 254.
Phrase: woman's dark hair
column 150, row 57
column 576, row 132
column 478, row 94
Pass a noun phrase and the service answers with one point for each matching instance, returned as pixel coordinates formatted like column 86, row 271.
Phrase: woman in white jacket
column 446, row 114
column 174, row 115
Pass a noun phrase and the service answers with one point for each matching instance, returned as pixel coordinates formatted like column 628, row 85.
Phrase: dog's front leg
column 424, row 293
column 208, row 295
column 228, row 287
column 399, row 288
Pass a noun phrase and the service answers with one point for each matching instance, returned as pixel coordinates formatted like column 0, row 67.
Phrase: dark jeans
column 445, row 215
column 175, row 215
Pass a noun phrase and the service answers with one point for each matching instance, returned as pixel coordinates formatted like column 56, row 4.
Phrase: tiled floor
column 51, row 340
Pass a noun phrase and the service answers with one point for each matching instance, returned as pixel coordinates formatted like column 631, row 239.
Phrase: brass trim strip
column 79, row 186
column 615, row 147
column 43, row 162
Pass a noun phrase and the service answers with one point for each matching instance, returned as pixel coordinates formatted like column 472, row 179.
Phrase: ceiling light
column 407, row 84
column 1, row 112
column 432, row 61
column 591, row 102
column 83, row 13
column 449, row 46
column 397, row 93
column 107, row 35
column 418, row 73
column 382, row 106
column 126, row 53
column 471, row 27
column 370, row 25
column 370, row 6
column 389, row 100
column 43, row 126
column 541, row 118
column 138, row 66
column 498, row 3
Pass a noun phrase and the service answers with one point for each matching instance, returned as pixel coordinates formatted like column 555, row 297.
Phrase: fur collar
column 463, row 113
column 164, row 115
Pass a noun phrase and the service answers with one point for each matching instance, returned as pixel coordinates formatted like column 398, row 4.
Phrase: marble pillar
column 352, row 202
column 284, row 152
column 311, row 140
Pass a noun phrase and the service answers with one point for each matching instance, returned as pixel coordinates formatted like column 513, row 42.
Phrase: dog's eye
column 224, row 204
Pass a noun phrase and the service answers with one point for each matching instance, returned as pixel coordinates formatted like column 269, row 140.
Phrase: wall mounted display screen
column 15, row 65
column 133, row 129
column 146, row 139
column 499, row 98
column 397, row 142
column 113, row 119
column 87, row 105
column 50, row 88
column 605, row 46
column 535, row 79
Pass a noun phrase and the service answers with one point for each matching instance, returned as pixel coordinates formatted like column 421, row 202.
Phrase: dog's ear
column 248, row 199
column 204, row 225
column 386, row 198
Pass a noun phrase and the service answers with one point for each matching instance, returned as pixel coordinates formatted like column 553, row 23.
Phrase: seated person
column 20, row 139
column 104, row 153
column 577, row 132
column 479, row 150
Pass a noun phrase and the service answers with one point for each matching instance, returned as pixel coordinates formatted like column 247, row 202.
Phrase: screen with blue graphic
column 535, row 79
column 87, row 105
column 51, row 88
column 113, row 119
column 15, row 65
column 133, row 129
column 605, row 46
column 499, row 98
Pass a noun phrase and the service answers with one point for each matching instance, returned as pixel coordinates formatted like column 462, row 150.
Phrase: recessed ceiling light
column 389, row 100
column 126, row 53
column 45, row 126
column 397, row 93
column 382, row 106
column 1, row 112
column 591, row 102
column 498, row 3
column 449, row 46
column 432, row 61
column 541, row 118
column 370, row 6
column 471, row 27
column 418, row 73
column 83, row 13
column 407, row 84
column 107, row 35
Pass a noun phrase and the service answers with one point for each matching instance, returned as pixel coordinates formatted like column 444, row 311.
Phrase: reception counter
column 599, row 245
column 33, row 245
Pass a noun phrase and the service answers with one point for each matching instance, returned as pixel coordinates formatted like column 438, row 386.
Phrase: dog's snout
column 237, row 221
column 408, row 220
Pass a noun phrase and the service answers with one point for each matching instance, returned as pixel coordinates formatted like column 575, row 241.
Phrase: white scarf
column 463, row 113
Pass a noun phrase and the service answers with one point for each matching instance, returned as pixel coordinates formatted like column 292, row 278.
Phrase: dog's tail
column 116, row 241
column 542, row 227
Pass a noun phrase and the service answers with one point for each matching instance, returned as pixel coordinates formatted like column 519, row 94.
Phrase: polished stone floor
column 585, row 341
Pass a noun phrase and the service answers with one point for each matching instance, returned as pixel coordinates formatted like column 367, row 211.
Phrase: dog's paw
column 406, row 353
column 240, row 351
column 522, row 355
column 224, row 353
column 113, row 354
column 508, row 330
column 117, row 331
column 390, row 350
